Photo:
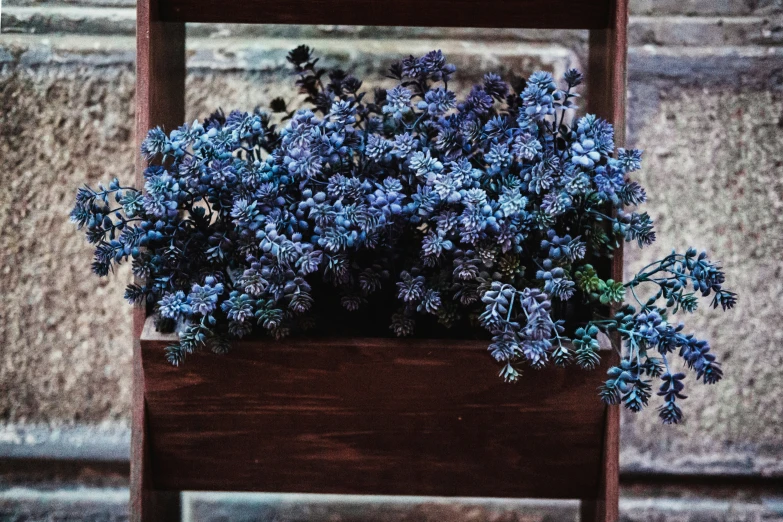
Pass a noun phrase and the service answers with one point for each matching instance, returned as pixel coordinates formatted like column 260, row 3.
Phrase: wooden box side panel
column 378, row 416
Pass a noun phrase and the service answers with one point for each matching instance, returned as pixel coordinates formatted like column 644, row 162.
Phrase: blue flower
column 410, row 288
column 438, row 102
column 585, row 152
column 556, row 204
column 222, row 172
column 671, row 390
column 495, row 86
column 404, row 144
column 302, row 163
column 536, row 352
column 631, row 160
column 447, row 186
column 556, row 283
column 512, row 201
column 434, row 65
column 478, row 101
column 239, row 307
column 173, row 305
column 398, row 102
column 342, row 112
column 203, row 299
column 598, row 130
column 434, row 244
column 430, row 302
column 608, row 181
column 577, row 182
column 540, row 179
column 499, row 156
column 543, row 80
column 132, row 202
column 633, row 194
column 422, row 163
column 412, row 67
column 463, row 172
column 376, row 147
column 573, row 77
column 247, row 214
column 496, row 127
column 155, row 143
column 538, row 98
column 525, row 147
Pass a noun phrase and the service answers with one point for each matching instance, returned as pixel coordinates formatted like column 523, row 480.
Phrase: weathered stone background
column 705, row 102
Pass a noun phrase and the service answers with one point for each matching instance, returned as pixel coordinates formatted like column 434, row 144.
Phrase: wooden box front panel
column 370, row 416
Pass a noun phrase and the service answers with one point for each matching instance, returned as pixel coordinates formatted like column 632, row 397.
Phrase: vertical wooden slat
column 160, row 101
column 607, row 98
column 606, row 73
column 160, row 74
column 138, row 454
column 146, row 504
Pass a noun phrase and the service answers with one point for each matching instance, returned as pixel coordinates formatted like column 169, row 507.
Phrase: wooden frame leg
column 606, row 507
column 160, row 101
column 606, row 98
column 147, row 504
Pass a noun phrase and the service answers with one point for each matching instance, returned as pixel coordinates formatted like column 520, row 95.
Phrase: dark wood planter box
column 374, row 416
column 370, row 416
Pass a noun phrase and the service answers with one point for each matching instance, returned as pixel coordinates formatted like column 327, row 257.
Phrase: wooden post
column 606, row 84
column 160, row 100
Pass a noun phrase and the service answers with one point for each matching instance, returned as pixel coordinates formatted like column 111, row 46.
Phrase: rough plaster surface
column 713, row 168
column 65, row 353
column 67, row 115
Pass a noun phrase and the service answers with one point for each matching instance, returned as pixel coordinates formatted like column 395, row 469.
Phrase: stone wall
column 705, row 102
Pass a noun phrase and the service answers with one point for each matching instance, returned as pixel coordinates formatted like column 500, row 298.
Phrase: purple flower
column 478, row 101
column 438, row 102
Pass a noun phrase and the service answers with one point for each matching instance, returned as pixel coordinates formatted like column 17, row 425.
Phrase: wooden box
column 368, row 416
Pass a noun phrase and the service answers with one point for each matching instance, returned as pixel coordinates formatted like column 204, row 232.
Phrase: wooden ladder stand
column 163, row 458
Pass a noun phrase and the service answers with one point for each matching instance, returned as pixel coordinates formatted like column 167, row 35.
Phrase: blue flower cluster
column 492, row 209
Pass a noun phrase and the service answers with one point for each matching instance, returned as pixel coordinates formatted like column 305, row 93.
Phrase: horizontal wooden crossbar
column 545, row 14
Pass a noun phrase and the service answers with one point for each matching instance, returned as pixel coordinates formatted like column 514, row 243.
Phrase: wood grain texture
column 160, row 100
column 138, row 451
column 552, row 14
column 146, row 503
column 606, row 72
column 371, row 416
column 160, row 75
column 607, row 90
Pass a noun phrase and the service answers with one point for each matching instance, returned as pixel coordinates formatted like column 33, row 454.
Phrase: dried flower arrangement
column 500, row 209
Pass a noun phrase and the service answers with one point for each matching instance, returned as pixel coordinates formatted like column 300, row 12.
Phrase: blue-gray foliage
column 493, row 209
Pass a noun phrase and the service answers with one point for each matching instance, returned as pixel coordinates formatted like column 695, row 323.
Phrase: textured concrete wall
column 705, row 102
column 65, row 355
column 714, row 172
